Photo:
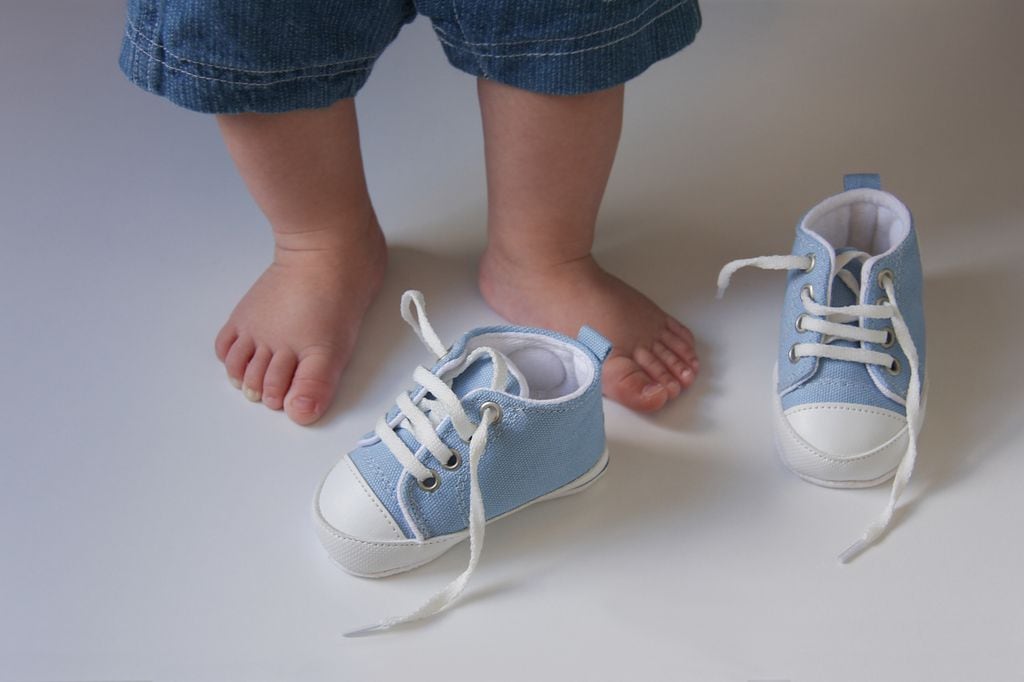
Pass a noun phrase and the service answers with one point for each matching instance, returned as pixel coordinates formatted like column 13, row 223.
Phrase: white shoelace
column 833, row 323
column 422, row 417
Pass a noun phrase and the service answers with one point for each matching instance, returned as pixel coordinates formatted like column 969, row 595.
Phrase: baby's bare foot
column 653, row 358
column 291, row 335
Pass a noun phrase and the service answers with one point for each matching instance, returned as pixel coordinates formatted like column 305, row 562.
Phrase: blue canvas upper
column 823, row 380
column 537, row 447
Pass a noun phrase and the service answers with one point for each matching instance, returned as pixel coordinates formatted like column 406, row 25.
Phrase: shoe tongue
column 478, row 374
column 841, row 294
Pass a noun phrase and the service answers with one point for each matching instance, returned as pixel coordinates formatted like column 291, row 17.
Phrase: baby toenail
column 252, row 395
column 237, row 383
column 652, row 389
column 304, row 404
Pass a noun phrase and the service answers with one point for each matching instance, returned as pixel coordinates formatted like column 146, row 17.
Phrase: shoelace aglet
column 853, row 550
column 383, row 626
column 870, row 536
column 363, row 632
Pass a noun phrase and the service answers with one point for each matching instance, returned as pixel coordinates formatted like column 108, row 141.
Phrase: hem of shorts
column 575, row 70
column 211, row 90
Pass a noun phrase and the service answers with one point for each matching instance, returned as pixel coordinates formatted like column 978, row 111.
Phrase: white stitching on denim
column 569, row 52
column 240, row 83
column 140, row 33
column 556, row 40
column 458, row 23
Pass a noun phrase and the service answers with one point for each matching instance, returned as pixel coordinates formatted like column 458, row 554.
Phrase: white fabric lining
column 554, row 370
column 868, row 220
column 467, row 360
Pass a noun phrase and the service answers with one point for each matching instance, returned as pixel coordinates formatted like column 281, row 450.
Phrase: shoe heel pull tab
column 597, row 344
column 862, row 181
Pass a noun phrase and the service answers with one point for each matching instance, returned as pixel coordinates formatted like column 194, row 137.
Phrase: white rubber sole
column 783, row 433
column 375, row 559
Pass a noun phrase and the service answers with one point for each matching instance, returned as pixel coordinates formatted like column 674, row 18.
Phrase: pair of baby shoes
column 509, row 416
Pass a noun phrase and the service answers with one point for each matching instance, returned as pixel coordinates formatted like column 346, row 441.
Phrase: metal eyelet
column 430, row 484
column 894, row 367
column 491, row 405
column 792, row 354
column 883, row 275
column 890, row 338
column 800, row 322
column 810, row 267
column 810, row 292
column 454, row 462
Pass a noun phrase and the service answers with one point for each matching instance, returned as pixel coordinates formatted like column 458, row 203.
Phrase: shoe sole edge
column 379, row 559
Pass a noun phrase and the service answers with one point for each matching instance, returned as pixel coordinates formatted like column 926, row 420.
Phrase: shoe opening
column 868, row 220
column 553, row 369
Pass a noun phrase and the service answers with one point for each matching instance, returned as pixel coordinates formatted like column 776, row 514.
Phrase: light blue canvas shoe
column 848, row 399
column 506, row 417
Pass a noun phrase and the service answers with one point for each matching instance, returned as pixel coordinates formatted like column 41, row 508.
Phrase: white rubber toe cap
column 361, row 535
column 347, row 504
column 841, row 445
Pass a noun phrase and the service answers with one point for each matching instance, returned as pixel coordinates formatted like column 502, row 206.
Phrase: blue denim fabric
column 229, row 56
column 537, row 447
column 820, row 380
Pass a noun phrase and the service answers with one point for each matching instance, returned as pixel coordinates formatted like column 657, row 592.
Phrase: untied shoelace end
column 364, row 632
column 414, row 312
column 851, row 552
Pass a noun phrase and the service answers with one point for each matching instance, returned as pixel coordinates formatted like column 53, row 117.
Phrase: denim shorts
column 228, row 56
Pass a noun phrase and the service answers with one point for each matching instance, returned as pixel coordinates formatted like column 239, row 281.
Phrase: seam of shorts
column 458, row 24
column 567, row 52
column 563, row 39
column 142, row 34
column 139, row 48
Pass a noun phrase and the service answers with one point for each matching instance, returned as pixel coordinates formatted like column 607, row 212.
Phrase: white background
column 155, row 525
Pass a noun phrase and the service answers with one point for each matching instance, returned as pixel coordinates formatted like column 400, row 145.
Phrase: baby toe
column 225, row 338
column 626, row 382
column 252, row 383
column 680, row 330
column 679, row 368
column 657, row 370
column 278, row 378
column 312, row 388
column 237, row 359
column 682, row 347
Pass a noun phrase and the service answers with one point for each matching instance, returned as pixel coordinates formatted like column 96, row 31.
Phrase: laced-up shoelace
column 422, row 417
column 842, row 323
